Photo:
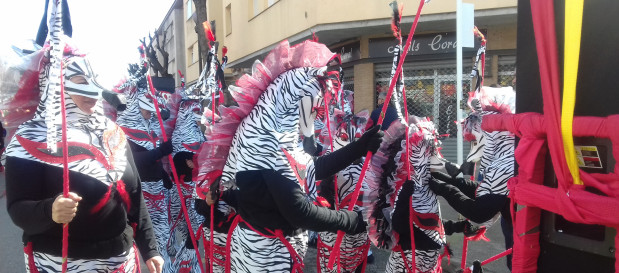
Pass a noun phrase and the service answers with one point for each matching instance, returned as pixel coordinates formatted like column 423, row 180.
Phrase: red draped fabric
column 540, row 134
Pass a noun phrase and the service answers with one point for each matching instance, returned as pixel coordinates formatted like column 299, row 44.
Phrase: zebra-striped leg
column 426, row 261
column 156, row 199
column 46, row 263
column 352, row 251
column 220, row 251
column 252, row 252
column 185, row 258
column 175, row 221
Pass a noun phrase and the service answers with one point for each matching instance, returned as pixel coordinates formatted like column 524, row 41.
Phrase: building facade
column 174, row 43
column 360, row 31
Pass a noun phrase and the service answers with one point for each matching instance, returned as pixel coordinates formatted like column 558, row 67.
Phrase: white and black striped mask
column 145, row 101
column 79, row 78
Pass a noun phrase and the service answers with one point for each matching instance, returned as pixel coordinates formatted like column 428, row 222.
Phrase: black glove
column 443, row 177
column 361, row 225
column 467, row 168
column 452, row 169
column 467, row 187
column 371, row 139
column 463, row 226
column 439, row 187
column 165, row 148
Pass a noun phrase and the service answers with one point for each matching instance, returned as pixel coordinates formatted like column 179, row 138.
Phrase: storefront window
column 430, row 91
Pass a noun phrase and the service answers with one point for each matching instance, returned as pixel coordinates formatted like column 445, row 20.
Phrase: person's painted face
column 190, row 163
column 86, row 104
column 145, row 114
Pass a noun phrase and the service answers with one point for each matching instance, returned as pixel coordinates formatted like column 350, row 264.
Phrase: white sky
column 108, row 30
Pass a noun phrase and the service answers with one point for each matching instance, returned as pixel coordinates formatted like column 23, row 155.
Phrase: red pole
column 368, row 156
column 178, row 185
column 65, row 171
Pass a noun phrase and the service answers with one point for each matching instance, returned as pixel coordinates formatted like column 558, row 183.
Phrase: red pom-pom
column 224, row 51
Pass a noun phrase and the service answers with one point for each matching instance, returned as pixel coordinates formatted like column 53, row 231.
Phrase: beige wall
column 286, row 18
column 502, row 37
column 192, row 71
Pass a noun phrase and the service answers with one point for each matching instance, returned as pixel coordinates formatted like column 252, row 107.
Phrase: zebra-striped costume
column 495, row 153
column 186, row 140
column 271, row 126
column 98, row 151
column 144, row 136
column 47, row 263
column 111, row 206
column 265, row 162
column 481, row 201
column 389, row 207
column 354, row 248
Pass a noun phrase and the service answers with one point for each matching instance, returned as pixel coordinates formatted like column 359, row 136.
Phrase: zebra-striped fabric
column 179, row 231
column 187, row 136
column 46, row 263
column 252, row 252
column 422, row 148
column 140, row 131
column 496, row 163
column 185, row 261
column 388, row 175
column 156, row 198
column 108, row 162
column 345, row 129
column 273, row 125
column 219, row 251
column 425, row 261
column 353, row 251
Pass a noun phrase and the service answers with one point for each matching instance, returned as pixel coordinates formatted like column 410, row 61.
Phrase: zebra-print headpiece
column 487, row 100
column 187, row 136
column 246, row 94
column 345, row 128
column 495, row 99
column 135, row 88
column 387, row 173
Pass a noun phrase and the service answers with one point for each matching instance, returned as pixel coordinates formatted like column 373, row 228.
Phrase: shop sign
column 425, row 44
column 350, row 52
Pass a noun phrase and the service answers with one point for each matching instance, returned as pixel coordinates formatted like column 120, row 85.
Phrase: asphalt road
column 11, row 248
column 12, row 259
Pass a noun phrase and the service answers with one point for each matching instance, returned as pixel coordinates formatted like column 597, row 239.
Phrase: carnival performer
column 217, row 220
column 186, row 140
column 394, row 201
column 345, row 128
column 108, row 221
column 141, row 126
column 482, row 201
column 263, row 167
